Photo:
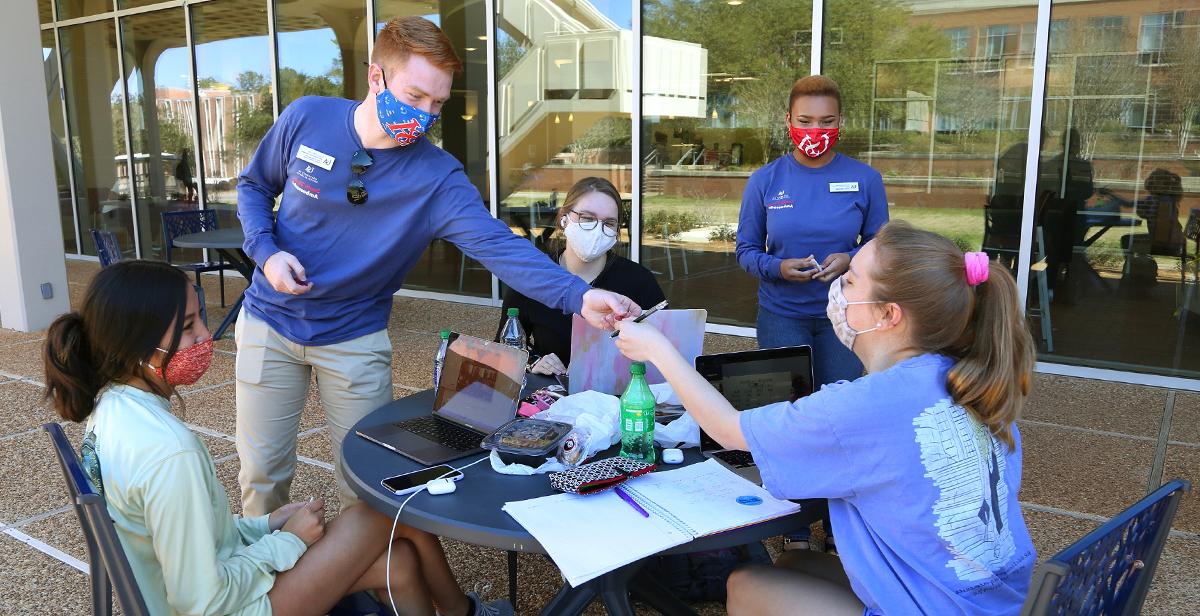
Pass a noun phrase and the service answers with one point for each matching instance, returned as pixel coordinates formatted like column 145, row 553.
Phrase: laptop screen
column 480, row 384
column 750, row 379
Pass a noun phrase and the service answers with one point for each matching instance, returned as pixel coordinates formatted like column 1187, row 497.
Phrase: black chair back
column 1109, row 570
column 106, row 559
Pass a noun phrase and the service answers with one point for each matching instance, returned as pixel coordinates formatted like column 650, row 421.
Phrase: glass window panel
column 952, row 149
column 564, row 82
column 70, row 9
column 45, row 11
column 1116, row 191
column 716, row 78
column 132, row 4
column 161, row 120
column 233, row 74
column 94, row 113
column 58, row 141
column 461, row 131
column 322, row 49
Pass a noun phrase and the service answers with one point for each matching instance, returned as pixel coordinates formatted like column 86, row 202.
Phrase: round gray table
column 472, row 513
column 229, row 243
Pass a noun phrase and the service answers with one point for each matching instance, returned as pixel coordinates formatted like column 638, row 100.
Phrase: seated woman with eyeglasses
column 590, row 220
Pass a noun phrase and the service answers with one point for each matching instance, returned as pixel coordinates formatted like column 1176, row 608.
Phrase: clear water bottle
column 439, row 360
column 513, row 334
column 637, row 416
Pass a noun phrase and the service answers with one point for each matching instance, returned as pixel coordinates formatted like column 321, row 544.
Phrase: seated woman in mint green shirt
column 920, row 459
column 114, row 364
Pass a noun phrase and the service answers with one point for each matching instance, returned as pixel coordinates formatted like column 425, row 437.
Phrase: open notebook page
column 704, row 497
column 587, row 536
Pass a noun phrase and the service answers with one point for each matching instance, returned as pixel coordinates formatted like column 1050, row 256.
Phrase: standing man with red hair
column 361, row 193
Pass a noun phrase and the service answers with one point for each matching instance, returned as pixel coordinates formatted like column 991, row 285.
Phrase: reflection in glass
column 714, row 103
column 322, row 49
column 70, row 9
column 564, row 81
column 461, row 131
column 235, row 90
column 94, row 113
column 58, row 142
column 1115, row 191
column 45, row 11
column 161, row 120
column 938, row 102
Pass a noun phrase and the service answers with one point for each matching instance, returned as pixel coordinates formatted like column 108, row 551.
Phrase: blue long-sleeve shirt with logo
column 790, row 211
column 357, row 257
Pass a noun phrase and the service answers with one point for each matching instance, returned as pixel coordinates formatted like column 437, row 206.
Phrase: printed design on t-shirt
column 967, row 465
column 781, row 201
column 306, row 182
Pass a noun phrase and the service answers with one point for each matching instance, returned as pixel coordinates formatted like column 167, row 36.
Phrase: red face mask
column 813, row 142
column 188, row 365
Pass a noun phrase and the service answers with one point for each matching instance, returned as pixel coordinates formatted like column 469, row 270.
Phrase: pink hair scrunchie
column 977, row 267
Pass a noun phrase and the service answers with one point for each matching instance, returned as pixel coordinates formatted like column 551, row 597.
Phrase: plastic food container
column 527, row 441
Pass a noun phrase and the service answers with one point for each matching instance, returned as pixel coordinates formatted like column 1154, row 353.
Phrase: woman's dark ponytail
column 126, row 311
column 72, row 380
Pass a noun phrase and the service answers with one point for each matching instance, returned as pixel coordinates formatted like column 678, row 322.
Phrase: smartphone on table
column 411, row 482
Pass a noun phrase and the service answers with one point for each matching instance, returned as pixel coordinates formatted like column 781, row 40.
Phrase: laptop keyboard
column 736, row 459
column 442, row 432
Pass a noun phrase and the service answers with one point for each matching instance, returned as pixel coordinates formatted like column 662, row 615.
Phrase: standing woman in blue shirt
column 803, row 217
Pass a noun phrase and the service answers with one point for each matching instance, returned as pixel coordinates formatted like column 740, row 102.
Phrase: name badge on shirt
column 315, row 157
column 837, row 187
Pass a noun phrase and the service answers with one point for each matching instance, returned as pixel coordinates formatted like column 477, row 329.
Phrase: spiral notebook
column 588, row 536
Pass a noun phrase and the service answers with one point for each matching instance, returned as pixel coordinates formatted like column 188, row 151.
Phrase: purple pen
column 632, row 503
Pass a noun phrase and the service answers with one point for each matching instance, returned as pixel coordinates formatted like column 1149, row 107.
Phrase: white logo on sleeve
column 967, row 465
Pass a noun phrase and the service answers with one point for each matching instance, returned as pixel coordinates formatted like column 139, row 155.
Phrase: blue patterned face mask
column 403, row 123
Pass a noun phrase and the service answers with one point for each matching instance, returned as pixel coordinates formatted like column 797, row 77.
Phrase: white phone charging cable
column 387, row 567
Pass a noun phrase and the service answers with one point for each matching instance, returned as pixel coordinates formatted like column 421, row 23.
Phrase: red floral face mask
column 813, row 142
column 188, row 365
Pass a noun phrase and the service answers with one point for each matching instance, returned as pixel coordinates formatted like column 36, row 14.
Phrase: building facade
column 1059, row 136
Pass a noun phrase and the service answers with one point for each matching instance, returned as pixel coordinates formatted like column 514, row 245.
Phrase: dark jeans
column 832, row 361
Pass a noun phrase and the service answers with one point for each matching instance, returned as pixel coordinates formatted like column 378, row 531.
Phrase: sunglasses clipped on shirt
column 356, row 191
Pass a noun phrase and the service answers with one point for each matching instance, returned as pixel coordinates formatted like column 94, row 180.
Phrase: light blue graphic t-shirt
column 922, row 498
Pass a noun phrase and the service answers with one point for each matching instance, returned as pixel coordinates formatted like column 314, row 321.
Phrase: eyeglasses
column 356, row 192
column 588, row 222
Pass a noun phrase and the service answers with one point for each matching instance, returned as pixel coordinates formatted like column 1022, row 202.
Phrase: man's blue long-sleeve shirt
column 358, row 256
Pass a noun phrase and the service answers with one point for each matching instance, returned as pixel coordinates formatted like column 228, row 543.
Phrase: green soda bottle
column 637, row 416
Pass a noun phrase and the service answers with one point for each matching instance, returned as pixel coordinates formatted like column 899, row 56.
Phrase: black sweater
column 549, row 330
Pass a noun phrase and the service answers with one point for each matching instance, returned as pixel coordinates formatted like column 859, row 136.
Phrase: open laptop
column 478, row 392
column 750, row 379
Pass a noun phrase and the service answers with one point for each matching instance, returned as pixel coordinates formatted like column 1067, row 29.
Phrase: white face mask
column 587, row 245
column 836, row 311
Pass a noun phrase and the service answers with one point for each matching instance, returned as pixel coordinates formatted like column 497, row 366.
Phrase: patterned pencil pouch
column 599, row 475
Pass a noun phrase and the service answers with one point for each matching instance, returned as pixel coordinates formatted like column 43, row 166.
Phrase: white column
column 31, row 243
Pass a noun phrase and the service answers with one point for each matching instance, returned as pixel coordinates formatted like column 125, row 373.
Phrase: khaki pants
column 273, row 375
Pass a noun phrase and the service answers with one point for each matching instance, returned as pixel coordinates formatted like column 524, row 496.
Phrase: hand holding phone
column 411, row 482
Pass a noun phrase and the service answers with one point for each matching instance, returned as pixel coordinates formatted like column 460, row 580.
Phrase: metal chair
column 108, row 567
column 107, row 247
column 109, row 252
column 175, row 224
column 1109, row 570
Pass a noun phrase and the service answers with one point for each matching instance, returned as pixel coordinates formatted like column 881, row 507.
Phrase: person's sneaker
column 499, row 607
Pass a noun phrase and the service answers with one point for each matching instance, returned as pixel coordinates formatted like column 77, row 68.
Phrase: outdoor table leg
column 512, row 578
column 245, row 266
column 230, row 317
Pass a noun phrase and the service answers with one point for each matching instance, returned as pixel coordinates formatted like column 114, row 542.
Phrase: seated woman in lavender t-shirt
column 920, row 459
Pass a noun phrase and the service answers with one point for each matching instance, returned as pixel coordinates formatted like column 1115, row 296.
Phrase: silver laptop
column 750, row 379
column 477, row 393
